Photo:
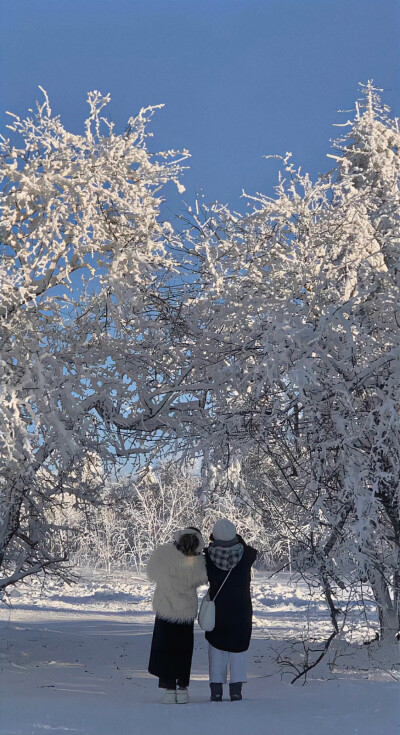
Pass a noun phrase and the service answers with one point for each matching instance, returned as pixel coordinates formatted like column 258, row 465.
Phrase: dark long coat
column 233, row 608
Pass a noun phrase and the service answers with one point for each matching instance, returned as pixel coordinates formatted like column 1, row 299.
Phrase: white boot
column 169, row 696
column 182, row 696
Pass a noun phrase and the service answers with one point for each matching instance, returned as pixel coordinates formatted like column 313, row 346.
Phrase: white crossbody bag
column 206, row 616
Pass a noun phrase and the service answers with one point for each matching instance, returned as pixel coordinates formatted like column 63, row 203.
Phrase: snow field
column 74, row 660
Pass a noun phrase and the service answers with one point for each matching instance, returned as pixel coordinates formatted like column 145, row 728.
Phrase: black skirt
column 171, row 650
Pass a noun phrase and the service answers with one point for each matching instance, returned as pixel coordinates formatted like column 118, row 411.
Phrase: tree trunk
column 388, row 615
column 11, row 520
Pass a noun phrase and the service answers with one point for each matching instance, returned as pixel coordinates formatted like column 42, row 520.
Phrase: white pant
column 218, row 665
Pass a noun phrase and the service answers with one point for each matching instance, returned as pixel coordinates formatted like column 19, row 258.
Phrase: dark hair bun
column 188, row 544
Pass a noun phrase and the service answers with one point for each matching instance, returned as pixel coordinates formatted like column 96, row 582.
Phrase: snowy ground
column 74, row 660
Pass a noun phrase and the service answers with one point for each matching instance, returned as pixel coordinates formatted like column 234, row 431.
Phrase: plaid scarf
column 226, row 558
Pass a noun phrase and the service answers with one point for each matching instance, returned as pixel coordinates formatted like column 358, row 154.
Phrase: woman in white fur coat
column 177, row 569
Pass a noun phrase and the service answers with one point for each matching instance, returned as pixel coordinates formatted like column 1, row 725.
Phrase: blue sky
column 239, row 78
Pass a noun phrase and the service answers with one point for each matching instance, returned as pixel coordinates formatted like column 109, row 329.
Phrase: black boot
column 216, row 692
column 235, row 691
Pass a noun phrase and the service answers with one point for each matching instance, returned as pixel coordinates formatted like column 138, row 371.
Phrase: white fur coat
column 176, row 576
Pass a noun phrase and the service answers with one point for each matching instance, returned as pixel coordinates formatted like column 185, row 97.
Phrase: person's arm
column 254, row 553
column 202, row 575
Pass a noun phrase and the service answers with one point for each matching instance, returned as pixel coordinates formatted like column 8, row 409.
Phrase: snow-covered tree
column 297, row 332
column 82, row 260
column 156, row 506
column 132, row 516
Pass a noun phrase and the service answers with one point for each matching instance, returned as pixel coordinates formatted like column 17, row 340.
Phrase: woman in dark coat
column 229, row 555
column 177, row 569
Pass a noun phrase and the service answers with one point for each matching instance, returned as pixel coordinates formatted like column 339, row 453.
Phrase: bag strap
column 221, row 586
